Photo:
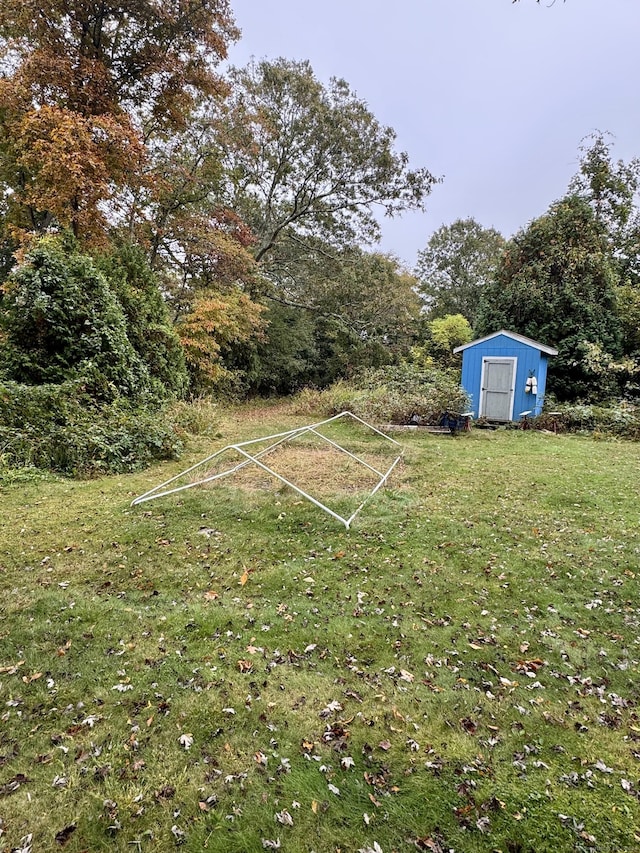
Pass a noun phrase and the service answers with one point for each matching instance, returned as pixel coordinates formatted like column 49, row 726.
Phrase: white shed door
column 498, row 385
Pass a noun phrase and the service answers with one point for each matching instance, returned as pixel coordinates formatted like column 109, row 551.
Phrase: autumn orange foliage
column 216, row 322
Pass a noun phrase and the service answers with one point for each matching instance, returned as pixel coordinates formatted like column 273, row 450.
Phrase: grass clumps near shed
column 619, row 419
column 394, row 394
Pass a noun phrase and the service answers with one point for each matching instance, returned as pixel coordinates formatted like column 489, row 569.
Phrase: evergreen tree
column 61, row 321
column 555, row 283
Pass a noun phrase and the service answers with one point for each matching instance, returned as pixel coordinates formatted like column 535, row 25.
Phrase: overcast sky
column 493, row 97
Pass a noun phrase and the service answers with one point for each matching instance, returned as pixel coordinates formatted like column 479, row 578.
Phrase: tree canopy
column 153, row 62
column 555, row 283
column 457, row 264
column 311, row 161
column 85, row 85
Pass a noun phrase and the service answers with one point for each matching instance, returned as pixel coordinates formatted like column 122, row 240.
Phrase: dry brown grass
column 320, row 470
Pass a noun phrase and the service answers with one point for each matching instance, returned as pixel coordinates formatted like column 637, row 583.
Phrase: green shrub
column 395, row 394
column 61, row 322
column 198, row 416
column 616, row 419
column 149, row 327
column 58, row 427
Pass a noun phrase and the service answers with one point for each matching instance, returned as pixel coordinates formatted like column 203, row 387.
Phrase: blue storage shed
column 505, row 374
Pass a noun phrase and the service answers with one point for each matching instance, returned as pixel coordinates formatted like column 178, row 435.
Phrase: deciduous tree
column 444, row 335
column 610, row 187
column 153, row 61
column 311, row 161
column 216, row 325
column 457, row 264
column 192, row 238
column 85, row 85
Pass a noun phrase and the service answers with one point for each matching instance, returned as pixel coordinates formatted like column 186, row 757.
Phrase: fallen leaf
column 244, row 578
column 532, row 665
column 483, row 824
column 11, row 669
column 469, row 725
column 165, row 793
column 375, row 849
column 65, row 834
column 186, row 740
column 61, row 652
column 12, row 785
column 207, row 531
column 24, row 845
column 428, row 843
column 284, row 818
column 330, row 708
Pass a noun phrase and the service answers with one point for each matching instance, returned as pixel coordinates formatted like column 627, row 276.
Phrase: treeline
column 570, row 278
column 244, row 199
column 169, row 230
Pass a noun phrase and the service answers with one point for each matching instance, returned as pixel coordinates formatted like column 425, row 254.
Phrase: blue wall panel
column 530, row 362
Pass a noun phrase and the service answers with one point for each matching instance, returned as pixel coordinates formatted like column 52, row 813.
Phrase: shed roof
column 516, row 337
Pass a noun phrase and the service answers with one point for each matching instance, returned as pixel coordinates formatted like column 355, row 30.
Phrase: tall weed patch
column 393, row 394
column 619, row 419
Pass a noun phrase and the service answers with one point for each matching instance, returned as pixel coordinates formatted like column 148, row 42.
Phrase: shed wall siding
column 529, row 360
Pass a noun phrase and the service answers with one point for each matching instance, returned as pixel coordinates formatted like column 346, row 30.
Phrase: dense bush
column 197, row 416
column 617, row 419
column 149, row 327
column 58, row 427
column 84, row 362
column 61, row 322
column 395, row 394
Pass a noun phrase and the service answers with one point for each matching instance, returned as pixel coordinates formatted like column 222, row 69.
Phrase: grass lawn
column 229, row 669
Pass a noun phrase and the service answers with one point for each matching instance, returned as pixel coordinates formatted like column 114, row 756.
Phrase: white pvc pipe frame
column 280, row 438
